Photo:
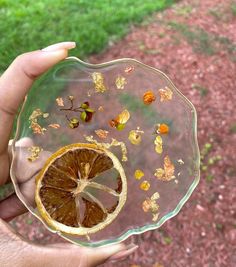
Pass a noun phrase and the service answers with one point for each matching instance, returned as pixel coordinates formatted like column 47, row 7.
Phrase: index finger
column 17, row 80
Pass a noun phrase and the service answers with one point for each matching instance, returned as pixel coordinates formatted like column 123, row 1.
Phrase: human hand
column 14, row 250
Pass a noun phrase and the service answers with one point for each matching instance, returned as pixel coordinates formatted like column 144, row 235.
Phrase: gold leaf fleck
column 35, row 151
column 114, row 142
column 101, row 108
column 158, row 144
column 129, row 69
column 54, row 125
column 167, row 173
column 45, row 115
column 36, row 128
column 101, row 133
column 60, row 102
column 180, row 161
column 165, row 94
column 98, row 80
column 35, row 114
column 120, row 82
column 138, row 174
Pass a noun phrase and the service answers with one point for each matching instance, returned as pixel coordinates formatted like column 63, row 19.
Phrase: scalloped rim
column 135, row 231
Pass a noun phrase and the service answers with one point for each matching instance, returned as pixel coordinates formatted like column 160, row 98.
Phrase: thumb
column 67, row 255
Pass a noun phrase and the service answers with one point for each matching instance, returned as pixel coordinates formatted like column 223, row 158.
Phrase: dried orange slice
column 71, row 189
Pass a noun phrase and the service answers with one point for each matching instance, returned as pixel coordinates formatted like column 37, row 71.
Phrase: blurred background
column 194, row 43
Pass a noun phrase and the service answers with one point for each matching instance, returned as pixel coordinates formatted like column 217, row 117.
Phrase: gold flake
column 98, row 80
column 101, row 108
column 35, row 151
column 129, row 69
column 159, row 173
column 101, row 133
column 35, row 114
column 145, row 185
column 167, row 173
column 60, row 102
column 114, row 142
column 34, row 125
column 120, row 82
column 158, row 144
column 165, row 94
column 138, row 174
column 150, row 204
column 45, row 115
column 54, row 125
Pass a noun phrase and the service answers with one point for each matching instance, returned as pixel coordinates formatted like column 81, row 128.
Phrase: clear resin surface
column 136, row 113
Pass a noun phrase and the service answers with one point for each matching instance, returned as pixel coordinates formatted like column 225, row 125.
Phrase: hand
column 14, row 250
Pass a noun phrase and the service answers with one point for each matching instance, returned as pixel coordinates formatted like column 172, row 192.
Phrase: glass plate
column 128, row 85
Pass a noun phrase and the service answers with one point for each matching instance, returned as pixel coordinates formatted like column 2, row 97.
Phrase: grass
column 29, row 25
column 233, row 8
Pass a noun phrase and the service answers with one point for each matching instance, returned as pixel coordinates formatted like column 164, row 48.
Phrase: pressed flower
column 167, row 173
column 73, row 123
column 135, row 136
column 148, row 97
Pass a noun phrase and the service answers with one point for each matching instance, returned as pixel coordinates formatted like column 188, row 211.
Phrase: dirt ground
column 194, row 43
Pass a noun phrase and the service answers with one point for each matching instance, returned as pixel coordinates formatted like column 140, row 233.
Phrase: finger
column 18, row 78
column 110, row 253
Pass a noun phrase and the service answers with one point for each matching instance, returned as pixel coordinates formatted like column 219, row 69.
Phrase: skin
column 14, row 249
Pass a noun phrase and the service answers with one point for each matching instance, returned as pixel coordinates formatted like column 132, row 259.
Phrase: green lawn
column 27, row 25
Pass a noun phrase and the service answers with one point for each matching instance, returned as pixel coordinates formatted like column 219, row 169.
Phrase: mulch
column 194, row 43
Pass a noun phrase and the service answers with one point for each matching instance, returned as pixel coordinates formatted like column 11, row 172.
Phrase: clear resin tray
column 132, row 110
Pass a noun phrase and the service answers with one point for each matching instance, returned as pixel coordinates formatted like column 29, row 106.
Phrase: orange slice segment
column 72, row 187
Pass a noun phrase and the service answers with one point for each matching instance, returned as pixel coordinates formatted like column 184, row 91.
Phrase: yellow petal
column 138, row 174
column 123, row 117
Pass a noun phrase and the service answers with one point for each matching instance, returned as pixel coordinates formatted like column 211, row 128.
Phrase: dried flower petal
column 120, row 121
column 123, row 117
column 135, row 137
column 148, row 97
column 129, row 69
column 165, row 94
column 101, row 133
column 60, row 102
column 145, row 185
column 138, row 174
column 54, row 125
column 162, row 128
column 146, row 205
column 150, row 204
column 120, row 82
column 73, row 123
column 35, row 151
column 98, row 80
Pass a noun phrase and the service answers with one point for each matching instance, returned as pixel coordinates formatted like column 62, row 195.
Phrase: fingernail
column 59, row 46
column 123, row 254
